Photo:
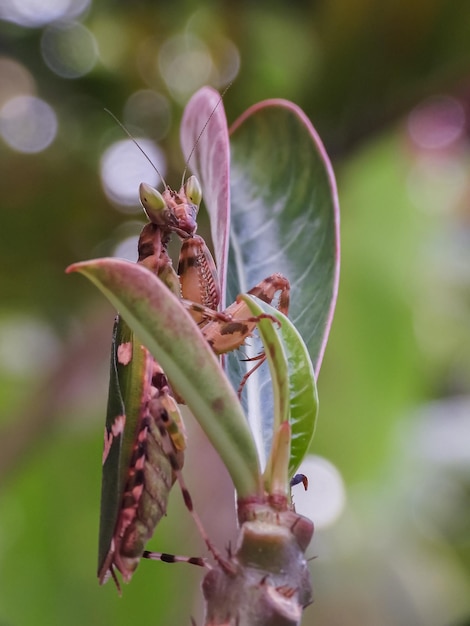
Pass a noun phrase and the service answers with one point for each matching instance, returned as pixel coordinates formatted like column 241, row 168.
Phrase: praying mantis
column 144, row 437
column 175, row 315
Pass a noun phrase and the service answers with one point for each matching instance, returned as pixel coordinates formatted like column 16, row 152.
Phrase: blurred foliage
column 394, row 387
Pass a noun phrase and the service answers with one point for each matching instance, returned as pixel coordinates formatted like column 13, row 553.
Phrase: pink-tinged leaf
column 210, row 162
column 284, row 218
column 285, row 213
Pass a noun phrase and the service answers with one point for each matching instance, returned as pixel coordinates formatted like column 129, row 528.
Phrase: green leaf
column 284, row 219
column 291, row 366
column 164, row 326
column 302, row 392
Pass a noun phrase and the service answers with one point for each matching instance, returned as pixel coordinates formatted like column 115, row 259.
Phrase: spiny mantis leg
column 260, row 358
column 227, row 336
column 198, row 275
column 226, row 330
column 223, row 317
column 265, row 290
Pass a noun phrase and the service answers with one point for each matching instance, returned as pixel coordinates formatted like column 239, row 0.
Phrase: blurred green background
column 387, row 85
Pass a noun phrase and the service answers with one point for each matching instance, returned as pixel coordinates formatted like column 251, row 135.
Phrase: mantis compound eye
column 193, row 191
column 153, row 203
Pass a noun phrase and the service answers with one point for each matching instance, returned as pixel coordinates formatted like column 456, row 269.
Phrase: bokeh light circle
column 127, row 249
column 28, row 124
column 150, row 111
column 69, row 49
column 27, row 346
column 437, row 122
column 15, row 80
column 186, row 64
column 35, row 13
column 123, row 168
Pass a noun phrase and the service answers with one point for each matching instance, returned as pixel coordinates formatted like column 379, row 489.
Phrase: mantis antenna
column 119, row 123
